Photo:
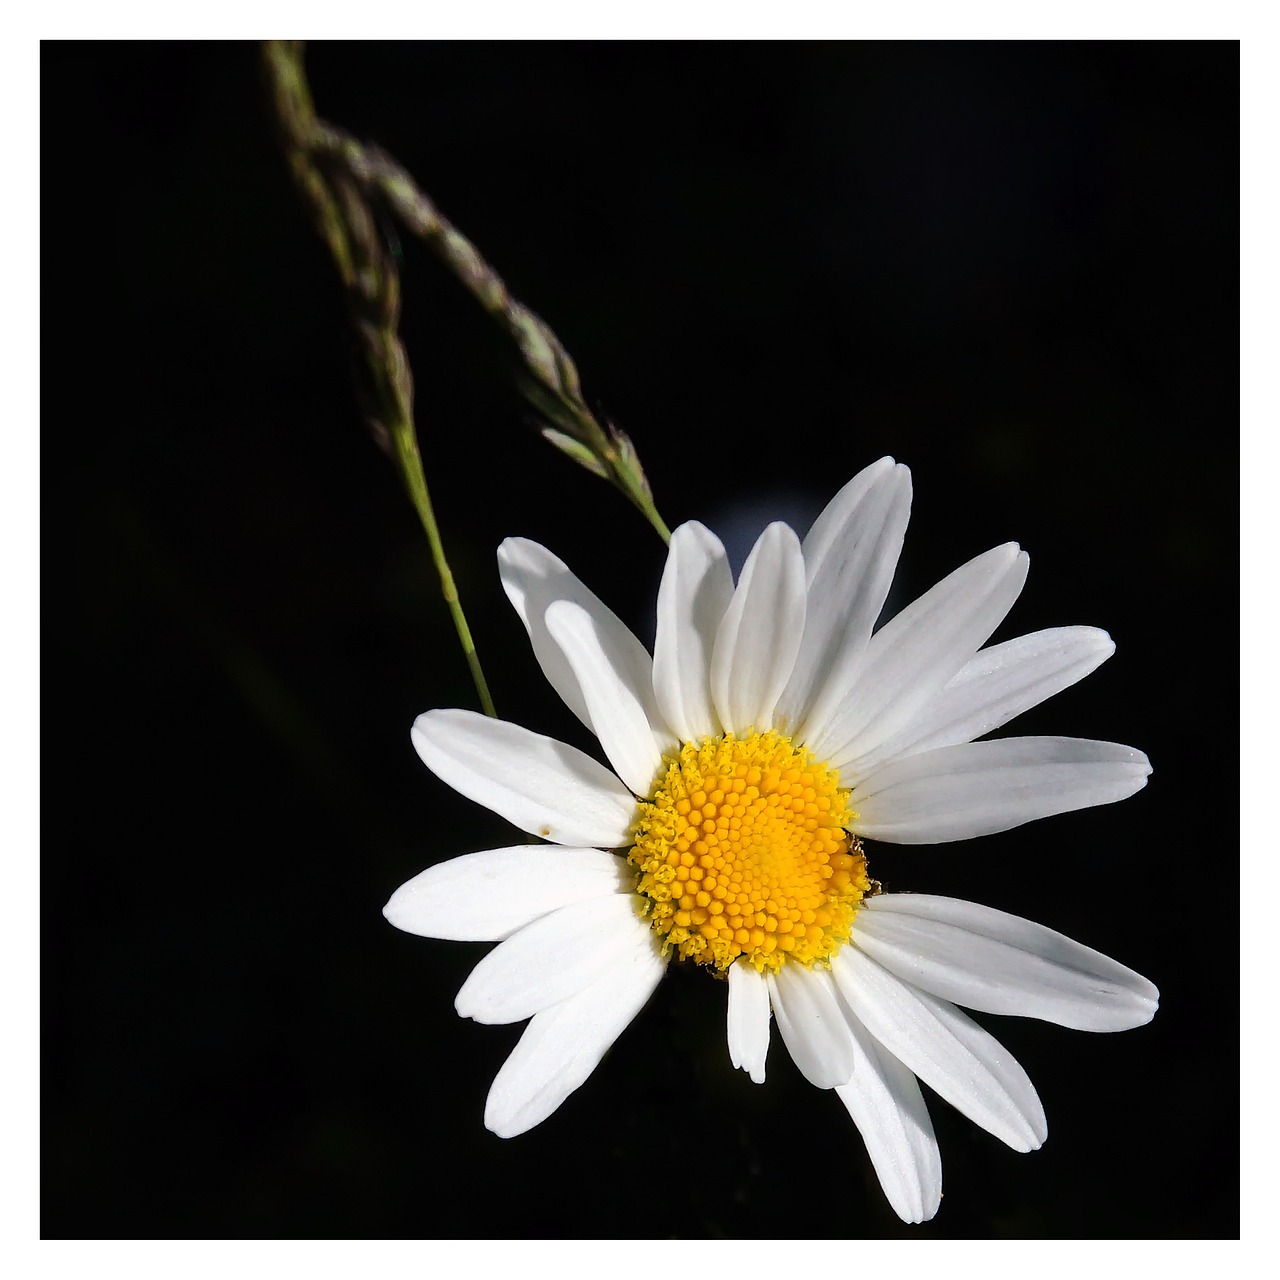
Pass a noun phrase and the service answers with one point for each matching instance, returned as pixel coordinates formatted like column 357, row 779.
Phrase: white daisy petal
column 849, row 557
column 997, row 963
column 540, row 785
column 551, row 959
column 534, row 579
column 487, row 896
column 630, row 729
column 886, row 1104
column 915, row 653
column 562, row 1045
column 748, row 1019
column 813, row 1024
column 759, row 636
column 697, row 585
column 955, row 793
column 954, row 1056
column 996, row 685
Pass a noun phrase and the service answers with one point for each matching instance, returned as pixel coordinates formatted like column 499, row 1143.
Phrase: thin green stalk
column 411, row 466
column 370, row 278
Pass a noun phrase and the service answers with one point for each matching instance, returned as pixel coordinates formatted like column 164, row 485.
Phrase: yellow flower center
column 742, row 850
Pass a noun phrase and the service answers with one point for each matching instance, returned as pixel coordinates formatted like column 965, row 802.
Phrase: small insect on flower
column 768, row 737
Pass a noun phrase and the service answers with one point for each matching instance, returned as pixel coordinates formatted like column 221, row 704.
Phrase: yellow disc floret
column 743, row 850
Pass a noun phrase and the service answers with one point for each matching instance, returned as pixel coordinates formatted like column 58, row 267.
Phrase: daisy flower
column 768, row 735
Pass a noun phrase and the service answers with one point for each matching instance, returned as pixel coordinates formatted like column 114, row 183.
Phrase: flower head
column 770, row 732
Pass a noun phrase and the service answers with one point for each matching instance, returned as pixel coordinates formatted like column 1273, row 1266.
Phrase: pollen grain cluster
column 742, row 851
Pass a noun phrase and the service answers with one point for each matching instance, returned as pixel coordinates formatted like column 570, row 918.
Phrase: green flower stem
column 372, row 284
column 411, row 466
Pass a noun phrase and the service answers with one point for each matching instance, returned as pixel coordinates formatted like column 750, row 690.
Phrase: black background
column 1012, row 266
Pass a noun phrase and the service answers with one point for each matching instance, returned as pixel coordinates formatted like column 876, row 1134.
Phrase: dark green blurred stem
column 370, row 278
